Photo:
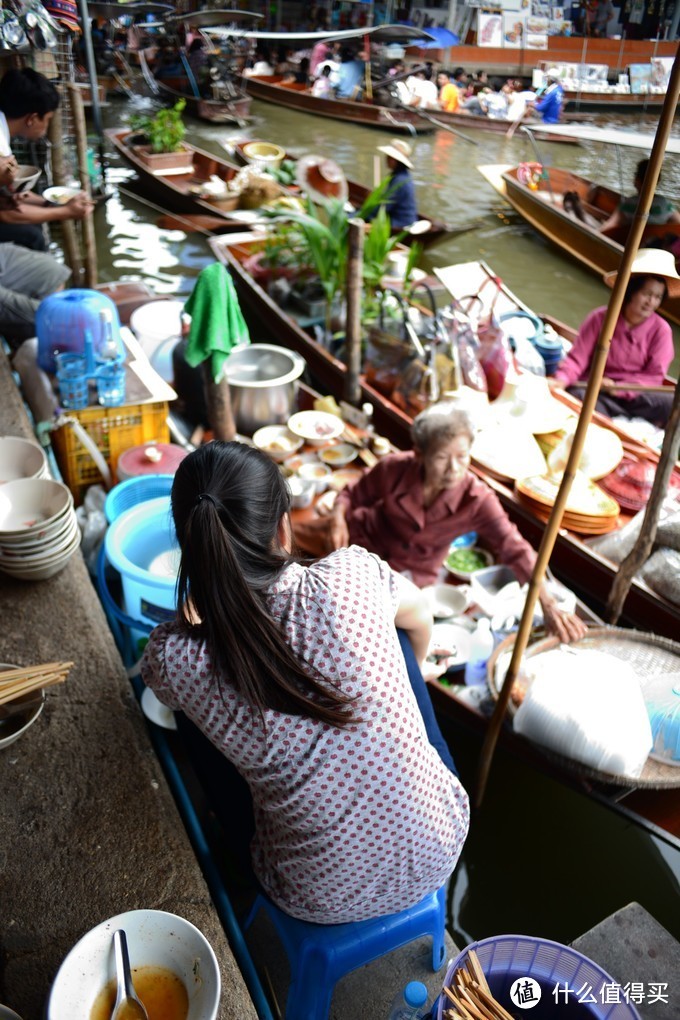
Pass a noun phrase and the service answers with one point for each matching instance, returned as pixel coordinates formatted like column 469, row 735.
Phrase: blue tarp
column 443, row 38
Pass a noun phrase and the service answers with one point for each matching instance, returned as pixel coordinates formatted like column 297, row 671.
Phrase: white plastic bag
column 588, row 706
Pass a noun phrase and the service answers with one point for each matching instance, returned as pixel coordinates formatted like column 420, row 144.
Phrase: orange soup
column 162, row 993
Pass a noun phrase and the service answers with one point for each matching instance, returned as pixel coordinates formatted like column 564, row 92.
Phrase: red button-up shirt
column 386, row 513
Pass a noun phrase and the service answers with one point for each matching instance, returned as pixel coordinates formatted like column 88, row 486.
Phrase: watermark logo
column 525, row 992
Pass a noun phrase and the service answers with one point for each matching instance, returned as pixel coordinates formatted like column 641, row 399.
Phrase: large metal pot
column 263, row 381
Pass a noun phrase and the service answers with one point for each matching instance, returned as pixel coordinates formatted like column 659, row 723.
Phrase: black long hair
column 228, row 502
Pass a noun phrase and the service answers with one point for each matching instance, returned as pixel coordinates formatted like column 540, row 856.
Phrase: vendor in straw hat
column 400, row 203
column 412, row 504
column 641, row 347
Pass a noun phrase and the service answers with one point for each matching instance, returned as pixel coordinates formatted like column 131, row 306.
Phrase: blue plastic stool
column 319, row 954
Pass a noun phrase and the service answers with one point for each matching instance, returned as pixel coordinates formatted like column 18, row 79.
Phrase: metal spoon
column 127, row 1005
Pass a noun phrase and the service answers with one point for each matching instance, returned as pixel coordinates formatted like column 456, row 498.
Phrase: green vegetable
column 465, row 561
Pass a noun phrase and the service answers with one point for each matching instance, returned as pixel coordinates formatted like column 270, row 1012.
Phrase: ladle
column 127, row 1005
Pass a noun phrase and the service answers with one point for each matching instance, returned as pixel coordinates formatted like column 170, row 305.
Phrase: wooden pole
column 69, row 236
column 355, row 267
column 80, row 129
column 645, row 540
column 218, row 403
column 597, row 369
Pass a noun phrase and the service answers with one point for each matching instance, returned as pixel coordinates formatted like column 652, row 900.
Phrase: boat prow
column 493, row 173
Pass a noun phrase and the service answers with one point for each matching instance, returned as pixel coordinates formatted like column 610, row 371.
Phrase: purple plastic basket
column 505, row 958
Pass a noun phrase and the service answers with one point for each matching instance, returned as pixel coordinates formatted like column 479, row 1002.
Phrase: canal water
column 542, row 857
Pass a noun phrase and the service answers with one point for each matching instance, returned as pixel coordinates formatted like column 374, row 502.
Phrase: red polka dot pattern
column 350, row 823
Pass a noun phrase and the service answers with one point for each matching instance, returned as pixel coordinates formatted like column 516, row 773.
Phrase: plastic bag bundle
column 668, row 532
column 662, row 573
column 588, row 706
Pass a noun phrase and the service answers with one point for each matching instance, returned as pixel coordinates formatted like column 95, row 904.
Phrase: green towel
column 217, row 324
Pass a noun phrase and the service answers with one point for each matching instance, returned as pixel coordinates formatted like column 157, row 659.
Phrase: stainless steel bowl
column 263, row 381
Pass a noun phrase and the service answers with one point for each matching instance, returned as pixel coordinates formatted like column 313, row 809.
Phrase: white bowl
column 20, row 458
column 458, row 571
column 30, row 505
column 26, row 177
column 316, row 427
column 302, row 491
column 16, row 724
column 295, row 462
column 155, row 939
column 339, row 455
column 317, row 473
column 60, row 195
column 445, row 600
column 277, row 441
column 54, row 542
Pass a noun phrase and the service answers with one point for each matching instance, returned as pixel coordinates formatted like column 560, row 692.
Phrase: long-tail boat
column 536, row 191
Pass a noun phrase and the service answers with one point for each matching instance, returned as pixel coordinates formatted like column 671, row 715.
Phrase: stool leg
column 438, row 940
column 311, row 986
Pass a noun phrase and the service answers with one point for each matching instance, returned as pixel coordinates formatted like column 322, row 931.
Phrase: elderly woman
column 641, row 346
column 411, row 505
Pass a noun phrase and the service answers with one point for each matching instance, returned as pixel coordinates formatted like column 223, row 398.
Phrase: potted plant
column 163, row 151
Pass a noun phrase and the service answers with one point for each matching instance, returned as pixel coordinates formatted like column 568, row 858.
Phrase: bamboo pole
column 69, row 236
column 645, row 540
column 80, row 128
column 597, row 369
column 355, row 266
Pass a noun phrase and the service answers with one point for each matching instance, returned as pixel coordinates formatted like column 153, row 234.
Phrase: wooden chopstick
column 470, row 997
column 16, row 682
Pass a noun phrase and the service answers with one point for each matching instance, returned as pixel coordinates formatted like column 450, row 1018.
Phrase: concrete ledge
column 89, row 826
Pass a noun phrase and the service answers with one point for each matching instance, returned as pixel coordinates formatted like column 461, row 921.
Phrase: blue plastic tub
column 567, row 980
column 135, row 490
column 142, row 546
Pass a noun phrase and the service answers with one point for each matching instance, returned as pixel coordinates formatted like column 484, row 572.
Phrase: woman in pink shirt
column 641, row 347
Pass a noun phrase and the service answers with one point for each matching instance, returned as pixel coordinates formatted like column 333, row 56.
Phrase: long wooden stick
column 355, row 264
column 69, row 236
column 645, row 540
column 597, row 371
column 80, row 128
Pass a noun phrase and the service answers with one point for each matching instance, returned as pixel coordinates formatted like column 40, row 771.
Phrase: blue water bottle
column 411, row 1004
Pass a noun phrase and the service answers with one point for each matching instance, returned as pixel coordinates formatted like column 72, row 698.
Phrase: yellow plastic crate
column 113, row 430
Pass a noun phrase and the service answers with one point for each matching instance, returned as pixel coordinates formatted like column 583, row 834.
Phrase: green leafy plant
column 165, row 130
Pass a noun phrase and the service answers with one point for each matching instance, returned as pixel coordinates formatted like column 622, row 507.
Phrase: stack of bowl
column 20, row 458
column 38, row 528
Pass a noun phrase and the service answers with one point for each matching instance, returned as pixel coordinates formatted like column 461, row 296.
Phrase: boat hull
column 214, row 111
column 270, row 90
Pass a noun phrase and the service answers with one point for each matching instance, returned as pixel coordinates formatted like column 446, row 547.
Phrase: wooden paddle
column 440, row 124
column 634, row 388
column 515, row 124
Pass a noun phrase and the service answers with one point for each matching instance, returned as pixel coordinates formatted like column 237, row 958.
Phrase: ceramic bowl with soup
column 173, row 966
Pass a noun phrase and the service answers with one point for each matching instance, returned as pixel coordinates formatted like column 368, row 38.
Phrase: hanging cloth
column 217, row 323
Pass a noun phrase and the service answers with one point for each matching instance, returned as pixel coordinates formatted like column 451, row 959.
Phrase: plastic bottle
column 481, row 647
column 109, row 349
column 411, row 1003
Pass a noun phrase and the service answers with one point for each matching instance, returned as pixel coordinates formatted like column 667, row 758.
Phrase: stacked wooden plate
column 589, row 510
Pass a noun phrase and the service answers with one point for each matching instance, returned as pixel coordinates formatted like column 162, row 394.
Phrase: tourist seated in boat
column 641, row 346
column 422, row 94
column 295, row 672
column 351, row 74
column 259, row 63
column 661, row 210
column 518, row 98
column 473, row 103
column 494, row 101
column 27, row 104
column 460, row 78
column 400, row 201
column 449, row 93
column 322, row 87
column 167, row 63
column 412, row 505
column 320, row 52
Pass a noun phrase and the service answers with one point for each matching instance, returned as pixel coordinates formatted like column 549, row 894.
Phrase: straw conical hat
column 602, row 452
column 321, row 178
column 526, row 399
column 508, row 451
column 585, row 500
column 652, row 262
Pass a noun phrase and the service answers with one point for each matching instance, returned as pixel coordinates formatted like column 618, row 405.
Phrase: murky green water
column 541, row 859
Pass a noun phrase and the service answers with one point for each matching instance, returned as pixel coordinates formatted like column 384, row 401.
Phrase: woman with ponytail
column 295, row 673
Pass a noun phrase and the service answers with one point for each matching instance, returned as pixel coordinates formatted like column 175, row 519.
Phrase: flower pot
column 165, row 163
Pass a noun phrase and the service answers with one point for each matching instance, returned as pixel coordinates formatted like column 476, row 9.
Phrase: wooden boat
column 573, row 560
column 275, row 88
column 542, row 208
column 358, row 193
column 178, row 192
column 588, row 100
column 478, row 122
column 222, row 108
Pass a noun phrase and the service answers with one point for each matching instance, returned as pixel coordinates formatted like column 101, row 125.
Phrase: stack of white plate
column 38, row 528
column 21, row 458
